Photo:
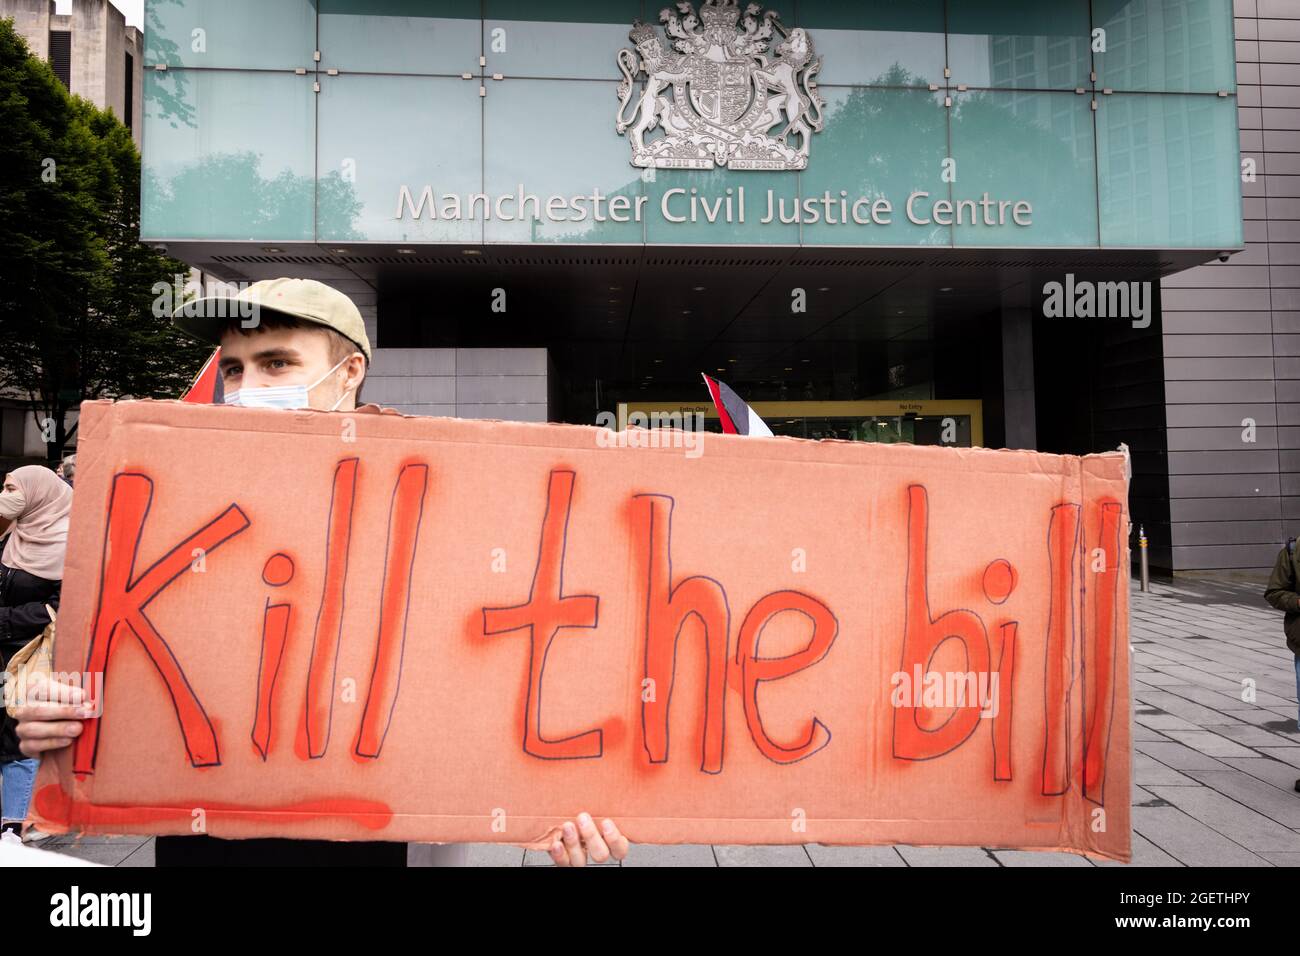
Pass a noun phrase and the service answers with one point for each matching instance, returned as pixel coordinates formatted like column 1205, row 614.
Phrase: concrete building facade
column 92, row 50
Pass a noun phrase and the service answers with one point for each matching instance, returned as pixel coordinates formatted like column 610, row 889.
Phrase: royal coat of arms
column 731, row 105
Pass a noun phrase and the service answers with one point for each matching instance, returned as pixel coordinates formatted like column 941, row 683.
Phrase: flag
column 737, row 417
column 206, row 388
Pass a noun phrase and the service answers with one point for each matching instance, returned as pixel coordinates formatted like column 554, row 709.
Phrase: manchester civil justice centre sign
column 690, row 204
column 720, row 100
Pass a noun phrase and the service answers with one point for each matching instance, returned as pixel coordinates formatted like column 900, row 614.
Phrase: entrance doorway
column 956, row 423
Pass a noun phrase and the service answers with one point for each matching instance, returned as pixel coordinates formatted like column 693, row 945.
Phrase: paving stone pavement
column 1213, row 774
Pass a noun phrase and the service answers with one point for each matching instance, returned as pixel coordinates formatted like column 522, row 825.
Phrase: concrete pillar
column 1018, row 377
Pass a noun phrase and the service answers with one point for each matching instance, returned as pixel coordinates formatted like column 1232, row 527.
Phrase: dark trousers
column 212, row 851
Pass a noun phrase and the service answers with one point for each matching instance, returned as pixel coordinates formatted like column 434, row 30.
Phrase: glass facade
column 1160, row 184
column 230, row 155
column 453, row 121
column 992, row 133
column 1020, row 44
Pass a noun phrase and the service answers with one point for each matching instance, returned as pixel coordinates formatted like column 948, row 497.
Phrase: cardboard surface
column 366, row 626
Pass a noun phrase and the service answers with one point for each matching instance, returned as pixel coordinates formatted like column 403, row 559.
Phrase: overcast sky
column 133, row 10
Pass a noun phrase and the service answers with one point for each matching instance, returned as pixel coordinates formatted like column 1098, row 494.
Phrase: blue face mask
column 281, row 396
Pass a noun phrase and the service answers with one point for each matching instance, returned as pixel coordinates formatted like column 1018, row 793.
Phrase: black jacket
column 172, row 851
column 23, row 616
column 1282, row 594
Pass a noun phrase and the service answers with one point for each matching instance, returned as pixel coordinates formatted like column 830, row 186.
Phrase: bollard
column 1145, row 570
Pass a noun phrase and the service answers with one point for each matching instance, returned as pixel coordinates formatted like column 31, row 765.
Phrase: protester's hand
column 580, row 841
column 51, row 716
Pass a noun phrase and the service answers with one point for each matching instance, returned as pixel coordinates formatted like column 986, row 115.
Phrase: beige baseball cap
column 303, row 299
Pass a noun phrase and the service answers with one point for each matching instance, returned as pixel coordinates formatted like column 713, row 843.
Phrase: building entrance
column 958, row 423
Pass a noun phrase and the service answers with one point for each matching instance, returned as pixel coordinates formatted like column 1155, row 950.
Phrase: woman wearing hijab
column 34, row 506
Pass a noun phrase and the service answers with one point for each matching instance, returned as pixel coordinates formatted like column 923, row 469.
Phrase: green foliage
column 77, row 310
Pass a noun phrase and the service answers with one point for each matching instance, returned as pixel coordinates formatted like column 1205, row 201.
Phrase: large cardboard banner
column 368, row 626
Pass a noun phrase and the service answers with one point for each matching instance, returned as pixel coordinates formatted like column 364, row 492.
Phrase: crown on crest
column 724, row 13
column 642, row 32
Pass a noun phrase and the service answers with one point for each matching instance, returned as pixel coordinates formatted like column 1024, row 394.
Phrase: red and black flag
column 206, row 389
column 737, row 417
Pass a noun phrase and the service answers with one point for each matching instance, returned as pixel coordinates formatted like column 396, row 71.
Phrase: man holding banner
column 306, row 347
column 445, row 631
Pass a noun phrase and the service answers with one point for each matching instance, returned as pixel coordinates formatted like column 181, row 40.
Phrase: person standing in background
column 1282, row 594
column 34, row 507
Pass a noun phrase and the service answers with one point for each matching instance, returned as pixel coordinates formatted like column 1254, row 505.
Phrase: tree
column 77, row 315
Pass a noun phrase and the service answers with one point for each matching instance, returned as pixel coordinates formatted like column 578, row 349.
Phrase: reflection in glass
column 526, row 146
column 230, row 156
column 570, row 50
column 1168, row 170
column 386, row 132
column 401, row 36
column 230, row 34
column 569, row 38
column 880, row 143
column 864, row 41
column 1020, row 44
column 994, row 135
column 1166, row 45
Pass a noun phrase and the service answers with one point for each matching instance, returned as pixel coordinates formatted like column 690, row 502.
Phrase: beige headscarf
column 39, row 510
